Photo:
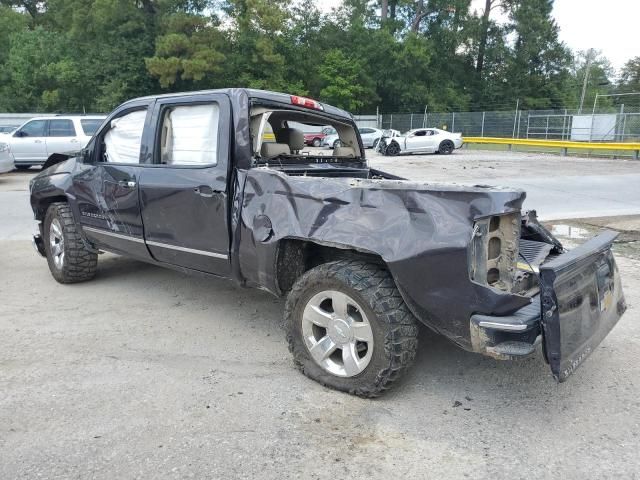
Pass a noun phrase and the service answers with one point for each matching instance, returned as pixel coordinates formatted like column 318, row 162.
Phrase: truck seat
column 270, row 149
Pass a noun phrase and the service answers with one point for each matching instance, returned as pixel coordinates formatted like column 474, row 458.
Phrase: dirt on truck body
column 219, row 183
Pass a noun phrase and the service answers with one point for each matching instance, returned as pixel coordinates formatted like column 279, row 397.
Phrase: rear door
column 62, row 136
column 28, row 143
column 184, row 194
column 582, row 300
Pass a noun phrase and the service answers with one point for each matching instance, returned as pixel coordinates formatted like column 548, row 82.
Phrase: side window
column 34, row 128
column 420, row 133
column 123, row 139
column 61, row 128
column 365, row 131
column 90, row 125
column 189, row 135
column 430, row 132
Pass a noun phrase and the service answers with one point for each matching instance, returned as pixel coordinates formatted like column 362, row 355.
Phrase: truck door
column 184, row 194
column 107, row 188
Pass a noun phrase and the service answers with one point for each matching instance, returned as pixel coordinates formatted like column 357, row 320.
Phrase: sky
column 610, row 26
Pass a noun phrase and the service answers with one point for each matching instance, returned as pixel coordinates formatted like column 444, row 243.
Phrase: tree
column 344, row 84
column 630, row 76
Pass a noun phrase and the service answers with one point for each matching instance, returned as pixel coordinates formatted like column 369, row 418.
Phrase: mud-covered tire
column 79, row 262
column 446, row 147
column 394, row 328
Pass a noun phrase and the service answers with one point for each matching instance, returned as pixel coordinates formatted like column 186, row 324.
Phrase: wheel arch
column 295, row 256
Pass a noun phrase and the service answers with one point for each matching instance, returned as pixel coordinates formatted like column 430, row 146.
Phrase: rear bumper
column 510, row 336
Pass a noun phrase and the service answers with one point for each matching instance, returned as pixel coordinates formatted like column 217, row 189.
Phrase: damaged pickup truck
column 189, row 181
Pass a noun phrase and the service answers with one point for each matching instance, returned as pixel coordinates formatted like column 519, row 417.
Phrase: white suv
column 34, row 141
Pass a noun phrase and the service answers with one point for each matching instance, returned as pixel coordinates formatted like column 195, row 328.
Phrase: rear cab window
column 278, row 133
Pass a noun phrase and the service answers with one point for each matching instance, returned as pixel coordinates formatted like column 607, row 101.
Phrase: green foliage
column 90, row 55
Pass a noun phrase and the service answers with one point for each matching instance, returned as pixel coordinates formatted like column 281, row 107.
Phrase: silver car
column 39, row 138
column 370, row 138
column 421, row 140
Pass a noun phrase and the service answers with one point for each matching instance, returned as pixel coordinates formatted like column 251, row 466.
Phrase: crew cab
column 190, row 181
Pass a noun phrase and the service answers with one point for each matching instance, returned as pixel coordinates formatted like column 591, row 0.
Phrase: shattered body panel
column 421, row 231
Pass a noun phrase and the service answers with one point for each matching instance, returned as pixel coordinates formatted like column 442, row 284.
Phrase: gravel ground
column 147, row 373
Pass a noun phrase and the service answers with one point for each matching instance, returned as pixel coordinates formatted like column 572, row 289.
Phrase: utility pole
column 587, row 72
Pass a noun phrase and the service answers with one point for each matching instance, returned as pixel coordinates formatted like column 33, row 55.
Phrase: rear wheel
column 446, row 147
column 349, row 329
column 316, row 142
column 375, row 143
column 393, row 149
column 69, row 258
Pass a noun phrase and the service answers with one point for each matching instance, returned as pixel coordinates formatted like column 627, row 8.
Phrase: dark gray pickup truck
column 220, row 183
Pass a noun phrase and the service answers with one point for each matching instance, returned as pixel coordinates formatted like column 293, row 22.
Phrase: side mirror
column 19, row 133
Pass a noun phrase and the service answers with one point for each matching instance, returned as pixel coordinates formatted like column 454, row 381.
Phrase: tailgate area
column 581, row 301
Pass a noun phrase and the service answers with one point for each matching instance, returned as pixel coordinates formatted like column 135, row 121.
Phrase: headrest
column 343, row 152
column 292, row 137
column 270, row 149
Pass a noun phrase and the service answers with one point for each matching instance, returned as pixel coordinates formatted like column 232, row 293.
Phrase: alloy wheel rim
column 337, row 333
column 56, row 243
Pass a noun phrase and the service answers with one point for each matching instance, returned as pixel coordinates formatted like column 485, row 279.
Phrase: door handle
column 127, row 183
column 37, row 141
column 205, row 191
column 73, row 140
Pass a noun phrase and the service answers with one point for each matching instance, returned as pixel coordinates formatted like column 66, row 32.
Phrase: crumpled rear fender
column 421, row 231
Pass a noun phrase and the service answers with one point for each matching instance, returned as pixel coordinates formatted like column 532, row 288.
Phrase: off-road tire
column 394, row 327
column 446, row 147
column 80, row 262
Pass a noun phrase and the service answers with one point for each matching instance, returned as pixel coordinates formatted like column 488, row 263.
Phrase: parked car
column 4, row 129
column 421, row 140
column 314, row 139
column 186, row 181
column 370, row 137
column 39, row 138
column 6, row 159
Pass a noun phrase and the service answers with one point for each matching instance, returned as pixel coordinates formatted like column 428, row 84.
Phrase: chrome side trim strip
column 508, row 327
column 113, row 234
column 187, row 250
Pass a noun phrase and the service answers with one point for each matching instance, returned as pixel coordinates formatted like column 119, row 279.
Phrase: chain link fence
column 621, row 126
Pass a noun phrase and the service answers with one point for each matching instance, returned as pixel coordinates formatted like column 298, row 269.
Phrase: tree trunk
column 484, row 35
column 421, row 12
column 384, row 10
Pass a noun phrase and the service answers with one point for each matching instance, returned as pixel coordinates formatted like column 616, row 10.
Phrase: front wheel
column 70, row 259
column 337, row 144
column 393, row 149
column 446, row 147
column 316, row 142
column 349, row 329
